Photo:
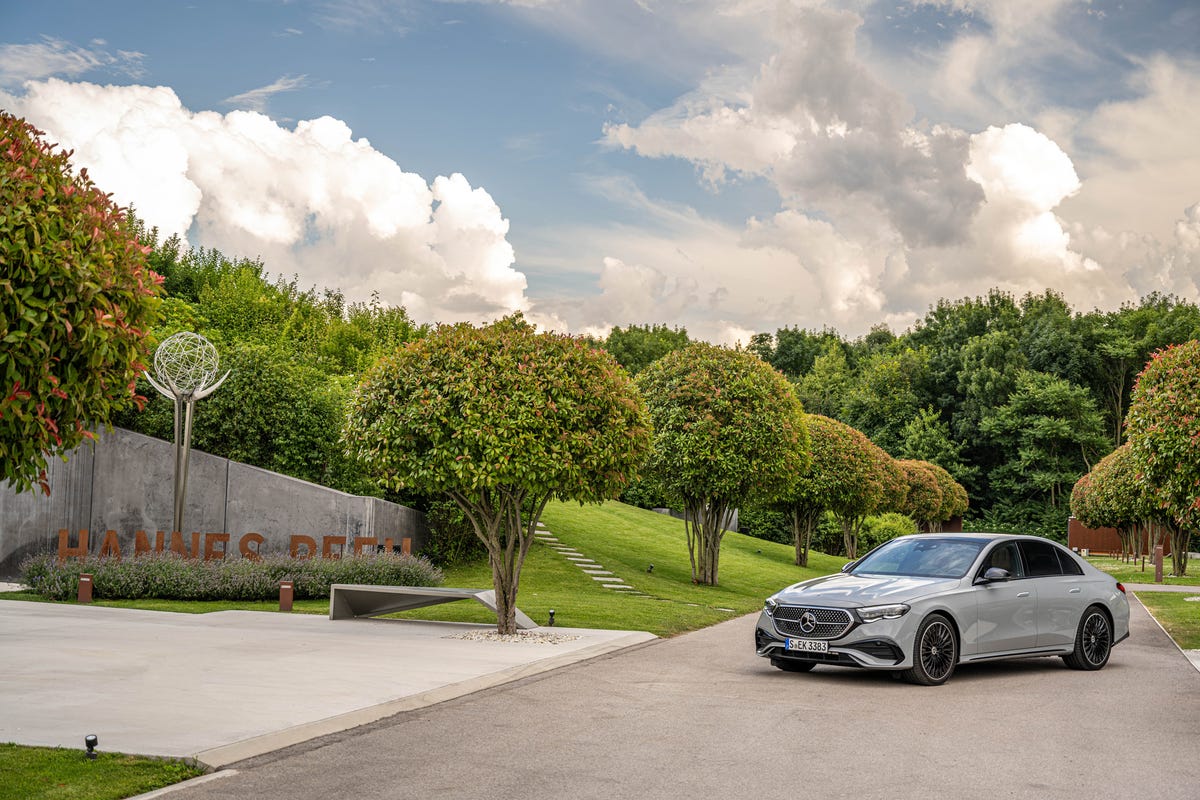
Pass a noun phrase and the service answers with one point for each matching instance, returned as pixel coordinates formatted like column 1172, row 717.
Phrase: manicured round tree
column 500, row 419
column 954, row 497
column 76, row 302
column 924, row 499
column 884, row 489
column 1112, row 496
column 1164, row 434
column 837, row 477
column 727, row 429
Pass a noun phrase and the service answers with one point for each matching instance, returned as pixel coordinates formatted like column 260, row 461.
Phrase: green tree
column 638, row 346
column 823, row 390
column 887, row 396
column 1051, row 431
column 954, row 497
column 923, row 501
column 927, row 437
column 1164, row 436
column 837, row 478
column 727, row 429
column 1112, row 496
column 500, row 419
column 77, row 300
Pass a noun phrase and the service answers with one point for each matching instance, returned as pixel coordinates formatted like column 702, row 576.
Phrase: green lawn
column 1177, row 614
column 51, row 773
column 1132, row 572
column 625, row 540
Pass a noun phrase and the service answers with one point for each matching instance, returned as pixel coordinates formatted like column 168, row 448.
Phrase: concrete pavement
column 226, row 686
column 700, row 715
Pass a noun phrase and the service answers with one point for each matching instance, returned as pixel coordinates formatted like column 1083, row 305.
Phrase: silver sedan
column 920, row 605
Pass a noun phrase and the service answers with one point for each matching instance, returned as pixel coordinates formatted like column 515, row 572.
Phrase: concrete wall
column 125, row 483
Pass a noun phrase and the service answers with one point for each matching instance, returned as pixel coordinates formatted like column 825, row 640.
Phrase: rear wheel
column 788, row 665
column 1093, row 641
column 935, row 652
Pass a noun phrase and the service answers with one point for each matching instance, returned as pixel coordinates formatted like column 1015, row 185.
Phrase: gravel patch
column 533, row 637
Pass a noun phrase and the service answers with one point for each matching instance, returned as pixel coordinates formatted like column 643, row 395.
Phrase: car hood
column 845, row 590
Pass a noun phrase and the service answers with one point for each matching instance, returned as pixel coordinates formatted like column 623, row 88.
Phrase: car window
column 1040, row 559
column 1068, row 563
column 1006, row 556
column 919, row 557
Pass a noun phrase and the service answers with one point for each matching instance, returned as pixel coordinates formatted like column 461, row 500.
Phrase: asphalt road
column 700, row 716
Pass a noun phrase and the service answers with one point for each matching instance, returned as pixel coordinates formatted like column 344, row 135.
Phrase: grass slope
column 626, row 540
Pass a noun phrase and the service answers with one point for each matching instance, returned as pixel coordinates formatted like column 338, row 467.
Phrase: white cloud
column 51, row 56
column 312, row 201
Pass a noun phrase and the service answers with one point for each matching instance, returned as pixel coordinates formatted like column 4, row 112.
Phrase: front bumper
column 867, row 646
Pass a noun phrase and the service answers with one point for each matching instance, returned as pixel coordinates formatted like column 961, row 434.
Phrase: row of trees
column 1149, row 487
column 1015, row 398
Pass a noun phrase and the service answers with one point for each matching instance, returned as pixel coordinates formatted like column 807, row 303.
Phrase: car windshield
column 920, row 557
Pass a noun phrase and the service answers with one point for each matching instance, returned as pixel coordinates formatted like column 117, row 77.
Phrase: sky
column 728, row 166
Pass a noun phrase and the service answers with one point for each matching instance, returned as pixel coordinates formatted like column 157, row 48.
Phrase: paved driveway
column 700, row 716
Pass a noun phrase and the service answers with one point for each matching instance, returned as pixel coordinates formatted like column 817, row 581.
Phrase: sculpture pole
column 185, row 364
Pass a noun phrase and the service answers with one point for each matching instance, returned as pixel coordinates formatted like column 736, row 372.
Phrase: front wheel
column 1093, row 641
column 935, row 652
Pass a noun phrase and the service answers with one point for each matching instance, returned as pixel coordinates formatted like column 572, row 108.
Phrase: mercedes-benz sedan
column 920, row 605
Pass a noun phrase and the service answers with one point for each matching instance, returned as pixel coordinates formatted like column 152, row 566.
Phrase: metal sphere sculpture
column 185, row 365
column 186, row 362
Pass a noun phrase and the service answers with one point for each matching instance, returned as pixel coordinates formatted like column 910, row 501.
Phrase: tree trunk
column 850, row 529
column 705, row 531
column 496, row 516
column 1180, row 539
column 804, row 522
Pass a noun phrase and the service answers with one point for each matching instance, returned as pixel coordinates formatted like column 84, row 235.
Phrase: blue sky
column 728, row 165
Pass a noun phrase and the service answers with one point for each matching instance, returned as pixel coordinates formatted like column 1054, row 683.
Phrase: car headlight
column 874, row 613
column 769, row 606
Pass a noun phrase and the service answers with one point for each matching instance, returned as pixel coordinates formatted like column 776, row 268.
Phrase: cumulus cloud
column 312, row 200
column 825, row 131
column 883, row 211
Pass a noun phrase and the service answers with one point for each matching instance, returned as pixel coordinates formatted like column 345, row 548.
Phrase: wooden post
column 285, row 595
column 1158, row 559
column 85, row 588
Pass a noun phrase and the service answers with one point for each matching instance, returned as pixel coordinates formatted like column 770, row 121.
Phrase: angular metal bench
column 352, row 600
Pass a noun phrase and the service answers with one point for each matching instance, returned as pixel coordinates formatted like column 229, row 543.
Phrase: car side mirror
column 995, row 575
column 849, row 565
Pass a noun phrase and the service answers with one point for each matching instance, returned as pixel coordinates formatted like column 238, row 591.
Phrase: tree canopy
column 1164, row 436
column 77, row 301
column 500, row 419
column 727, row 429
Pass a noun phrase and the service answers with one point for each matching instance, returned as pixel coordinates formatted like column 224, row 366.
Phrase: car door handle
column 1076, row 590
column 1022, row 594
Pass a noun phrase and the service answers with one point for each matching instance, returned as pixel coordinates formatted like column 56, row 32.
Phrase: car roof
column 976, row 535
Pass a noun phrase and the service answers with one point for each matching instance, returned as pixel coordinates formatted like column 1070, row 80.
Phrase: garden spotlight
column 91, row 741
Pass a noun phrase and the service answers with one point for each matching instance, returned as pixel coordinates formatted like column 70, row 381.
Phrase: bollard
column 85, row 588
column 285, row 595
column 1158, row 559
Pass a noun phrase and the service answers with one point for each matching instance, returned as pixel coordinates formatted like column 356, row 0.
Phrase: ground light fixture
column 90, row 741
column 550, row 624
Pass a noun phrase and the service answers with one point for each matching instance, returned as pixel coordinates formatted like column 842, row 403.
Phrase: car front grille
column 822, row 623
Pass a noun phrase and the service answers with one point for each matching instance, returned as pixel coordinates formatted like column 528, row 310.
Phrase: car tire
column 935, row 652
column 1093, row 641
column 788, row 665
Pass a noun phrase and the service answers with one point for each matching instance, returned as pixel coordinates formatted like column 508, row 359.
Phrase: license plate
column 808, row 645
